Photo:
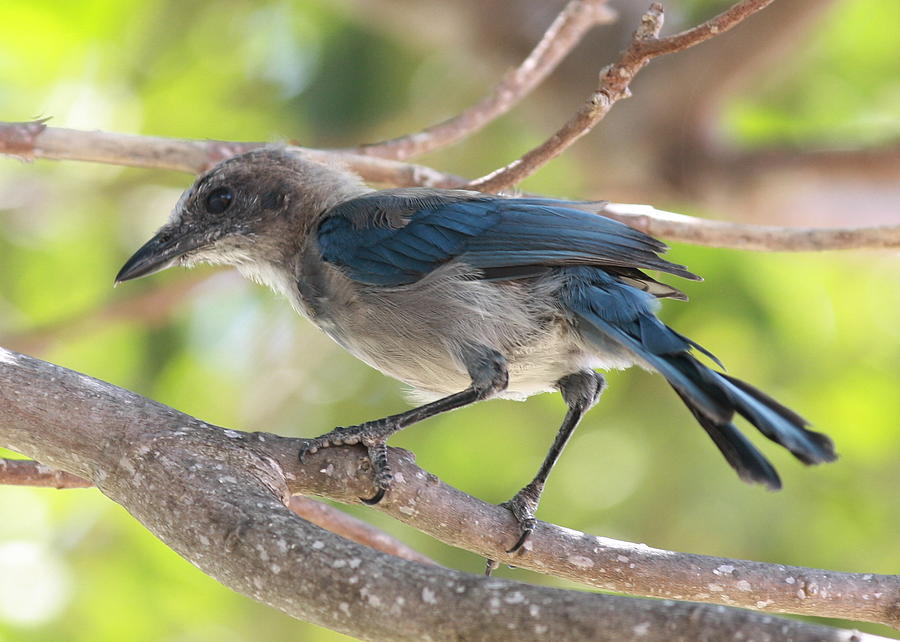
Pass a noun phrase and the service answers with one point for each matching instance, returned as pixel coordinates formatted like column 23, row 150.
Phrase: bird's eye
column 219, row 200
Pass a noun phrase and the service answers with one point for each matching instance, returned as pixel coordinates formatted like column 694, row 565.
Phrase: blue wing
column 395, row 237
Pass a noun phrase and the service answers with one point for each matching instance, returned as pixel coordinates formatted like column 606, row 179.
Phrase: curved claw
column 523, row 506
column 527, row 530
column 377, row 497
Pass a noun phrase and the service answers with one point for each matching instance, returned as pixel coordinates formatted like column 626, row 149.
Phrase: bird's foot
column 523, row 506
column 373, row 435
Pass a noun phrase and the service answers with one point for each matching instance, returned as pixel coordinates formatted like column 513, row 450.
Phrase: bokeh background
column 762, row 125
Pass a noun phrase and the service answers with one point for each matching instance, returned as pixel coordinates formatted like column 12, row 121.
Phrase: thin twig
column 569, row 27
column 651, row 47
column 29, row 140
column 27, row 472
column 744, row 236
column 337, row 521
column 614, row 86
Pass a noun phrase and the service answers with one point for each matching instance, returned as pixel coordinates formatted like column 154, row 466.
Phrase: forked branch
column 576, row 19
column 615, row 81
column 27, row 472
column 89, row 428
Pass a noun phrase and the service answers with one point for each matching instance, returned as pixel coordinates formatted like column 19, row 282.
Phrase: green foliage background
column 820, row 332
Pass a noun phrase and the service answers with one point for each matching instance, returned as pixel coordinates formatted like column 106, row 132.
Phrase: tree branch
column 27, row 472
column 615, row 81
column 356, row 530
column 744, row 236
column 229, row 488
column 36, row 140
column 576, row 19
column 648, row 45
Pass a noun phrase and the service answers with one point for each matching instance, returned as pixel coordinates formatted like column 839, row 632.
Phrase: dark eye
column 219, row 200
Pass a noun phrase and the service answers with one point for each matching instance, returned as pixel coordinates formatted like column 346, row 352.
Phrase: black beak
column 156, row 255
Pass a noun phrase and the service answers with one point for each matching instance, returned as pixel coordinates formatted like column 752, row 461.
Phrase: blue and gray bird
column 464, row 296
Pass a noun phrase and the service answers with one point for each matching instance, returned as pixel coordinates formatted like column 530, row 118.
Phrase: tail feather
column 780, row 424
column 610, row 310
column 772, row 419
column 750, row 464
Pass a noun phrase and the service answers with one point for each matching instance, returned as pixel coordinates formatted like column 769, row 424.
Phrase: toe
column 526, row 529
column 377, row 497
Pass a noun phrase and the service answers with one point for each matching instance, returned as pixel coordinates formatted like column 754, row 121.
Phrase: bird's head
column 255, row 208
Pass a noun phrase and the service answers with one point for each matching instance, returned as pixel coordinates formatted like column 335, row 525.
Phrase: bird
column 465, row 296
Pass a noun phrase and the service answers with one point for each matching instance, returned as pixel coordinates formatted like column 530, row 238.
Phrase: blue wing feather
column 395, row 237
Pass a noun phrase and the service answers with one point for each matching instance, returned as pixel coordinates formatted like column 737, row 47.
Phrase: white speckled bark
column 217, row 497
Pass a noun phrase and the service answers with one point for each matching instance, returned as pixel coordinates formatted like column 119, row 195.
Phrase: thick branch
column 27, row 472
column 151, row 458
column 35, row 140
column 614, row 85
column 576, row 19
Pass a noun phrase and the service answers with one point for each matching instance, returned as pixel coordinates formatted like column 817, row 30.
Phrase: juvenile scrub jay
column 464, row 296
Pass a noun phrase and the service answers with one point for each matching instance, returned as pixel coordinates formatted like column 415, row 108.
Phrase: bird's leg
column 580, row 391
column 486, row 367
column 374, row 435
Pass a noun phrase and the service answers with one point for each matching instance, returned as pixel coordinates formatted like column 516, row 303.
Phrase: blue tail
column 607, row 309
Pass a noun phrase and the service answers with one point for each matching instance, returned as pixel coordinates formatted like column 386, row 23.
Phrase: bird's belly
column 421, row 334
column 432, row 371
column 536, row 366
